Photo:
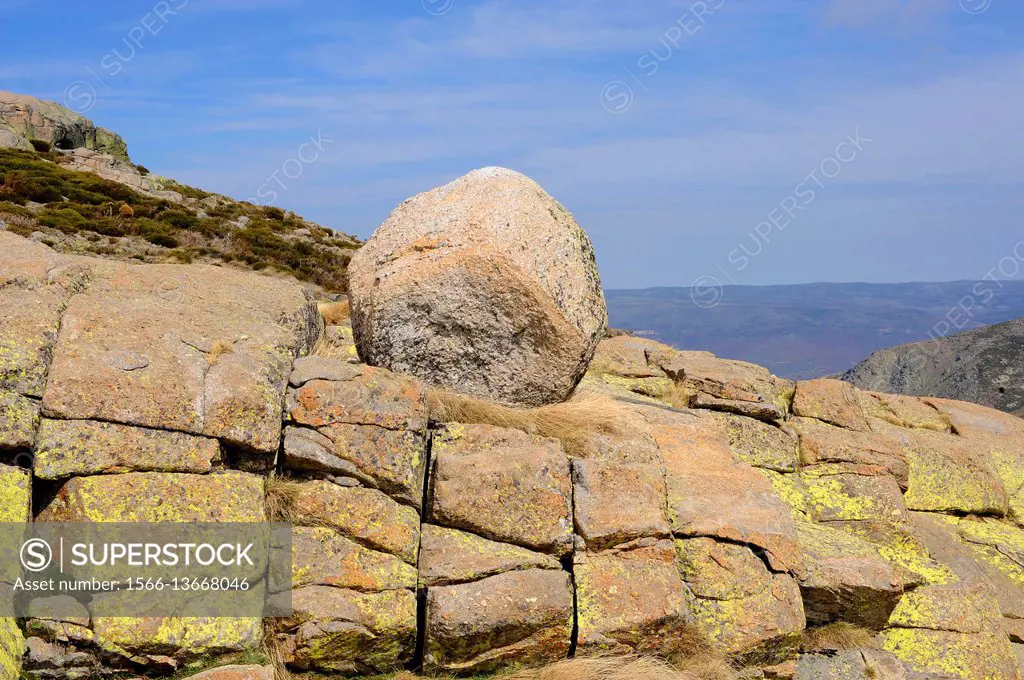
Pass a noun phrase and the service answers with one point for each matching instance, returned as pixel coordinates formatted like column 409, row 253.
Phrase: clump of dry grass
column 273, row 653
column 336, row 313
column 840, row 636
column 676, row 394
column 324, row 347
column 282, row 496
column 219, row 349
column 570, row 422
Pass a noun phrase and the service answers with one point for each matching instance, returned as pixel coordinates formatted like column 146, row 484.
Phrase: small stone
column 321, row 368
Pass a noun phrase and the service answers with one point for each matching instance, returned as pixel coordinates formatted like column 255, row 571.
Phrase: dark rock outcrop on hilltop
column 985, row 366
column 24, row 118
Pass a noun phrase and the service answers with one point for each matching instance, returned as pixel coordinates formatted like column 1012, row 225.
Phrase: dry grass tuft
column 840, row 635
column 219, row 349
column 281, row 498
column 270, row 649
column 676, row 395
column 324, row 347
column 708, row 668
column 336, row 313
column 571, row 422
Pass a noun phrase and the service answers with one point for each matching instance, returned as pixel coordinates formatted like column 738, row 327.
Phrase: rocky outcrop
column 725, row 509
column 486, row 285
column 24, row 118
column 80, row 194
column 983, row 366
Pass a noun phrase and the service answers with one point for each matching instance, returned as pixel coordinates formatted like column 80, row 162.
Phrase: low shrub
column 40, row 145
column 179, row 219
column 66, row 220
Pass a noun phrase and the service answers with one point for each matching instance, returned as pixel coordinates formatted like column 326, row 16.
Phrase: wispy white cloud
column 872, row 13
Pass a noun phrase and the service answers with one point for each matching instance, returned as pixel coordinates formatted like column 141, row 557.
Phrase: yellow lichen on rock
column 15, row 494
column 12, row 648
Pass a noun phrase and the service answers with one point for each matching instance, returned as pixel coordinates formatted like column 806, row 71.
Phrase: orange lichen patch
column 374, row 397
column 321, row 556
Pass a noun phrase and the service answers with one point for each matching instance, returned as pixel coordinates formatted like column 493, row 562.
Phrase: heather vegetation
column 80, row 211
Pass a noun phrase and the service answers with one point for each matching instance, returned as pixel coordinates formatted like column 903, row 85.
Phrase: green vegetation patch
column 82, row 203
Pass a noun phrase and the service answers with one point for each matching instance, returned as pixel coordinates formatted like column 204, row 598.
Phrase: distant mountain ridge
column 810, row 330
column 985, row 366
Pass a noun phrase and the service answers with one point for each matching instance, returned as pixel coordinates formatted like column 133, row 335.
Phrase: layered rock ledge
column 723, row 506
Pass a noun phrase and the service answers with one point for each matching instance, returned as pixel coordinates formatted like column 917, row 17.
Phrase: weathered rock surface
column 15, row 494
column 845, row 579
column 19, row 418
column 67, row 448
column 951, row 631
column 618, row 502
column 449, row 556
column 155, row 497
column 504, row 485
column 236, row 673
column 711, row 493
column 26, row 118
column 631, row 601
column 515, row 617
column 722, row 510
column 349, row 632
column 739, row 601
column 364, row 515
column 486, row 286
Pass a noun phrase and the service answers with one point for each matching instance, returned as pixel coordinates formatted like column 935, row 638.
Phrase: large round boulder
column 486, row 285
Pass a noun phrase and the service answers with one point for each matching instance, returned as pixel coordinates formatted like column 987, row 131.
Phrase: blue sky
column 753, row 141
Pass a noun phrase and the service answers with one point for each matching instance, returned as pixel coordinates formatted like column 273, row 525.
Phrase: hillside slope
column 69, row 184
column 985, row 366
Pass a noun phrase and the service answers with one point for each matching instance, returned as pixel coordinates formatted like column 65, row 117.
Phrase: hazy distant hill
column 985, row 366
column 812, row 330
